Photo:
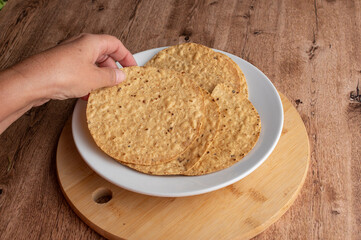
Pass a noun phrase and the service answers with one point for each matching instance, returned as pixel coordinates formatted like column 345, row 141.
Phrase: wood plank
column 313, row 58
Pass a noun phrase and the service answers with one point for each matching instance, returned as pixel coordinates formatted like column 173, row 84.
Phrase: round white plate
column 262, row 94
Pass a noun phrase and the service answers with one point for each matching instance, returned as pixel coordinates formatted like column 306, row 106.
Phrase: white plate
column 262, row 94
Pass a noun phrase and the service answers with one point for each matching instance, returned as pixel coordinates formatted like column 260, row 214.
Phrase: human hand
column 76, row 67
column 72, row 69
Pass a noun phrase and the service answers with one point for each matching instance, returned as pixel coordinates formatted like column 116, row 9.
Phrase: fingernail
column 120, row 76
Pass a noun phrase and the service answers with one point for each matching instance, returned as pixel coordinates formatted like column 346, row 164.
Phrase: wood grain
column 309, row 49
column 239, row 211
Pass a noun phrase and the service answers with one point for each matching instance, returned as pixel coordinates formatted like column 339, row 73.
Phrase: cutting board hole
column 102, row 195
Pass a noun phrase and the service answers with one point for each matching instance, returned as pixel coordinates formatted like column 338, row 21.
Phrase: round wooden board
column 239, row 211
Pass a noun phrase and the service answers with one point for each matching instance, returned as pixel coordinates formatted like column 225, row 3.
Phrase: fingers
column 104, row 50
column 128, row 60
column 113, row 47
column 106, row 46
column 107, row 77
column 108, row 62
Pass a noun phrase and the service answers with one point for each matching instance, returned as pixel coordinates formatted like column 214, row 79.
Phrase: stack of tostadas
column 186, row 112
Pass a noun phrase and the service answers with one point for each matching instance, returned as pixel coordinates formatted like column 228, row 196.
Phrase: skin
column 70, row 70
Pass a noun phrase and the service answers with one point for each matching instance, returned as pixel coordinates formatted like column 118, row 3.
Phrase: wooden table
column 311, row 50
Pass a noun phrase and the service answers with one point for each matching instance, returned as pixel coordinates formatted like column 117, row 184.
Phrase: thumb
column 110, row 76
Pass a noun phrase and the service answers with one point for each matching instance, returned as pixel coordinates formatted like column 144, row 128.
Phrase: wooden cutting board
column 239, row 211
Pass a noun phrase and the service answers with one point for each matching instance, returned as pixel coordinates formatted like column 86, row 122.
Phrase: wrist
column 29, row 80
column 40, row 72
column 18, row 92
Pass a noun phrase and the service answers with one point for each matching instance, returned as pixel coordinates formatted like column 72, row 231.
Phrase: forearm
column 18, row 94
